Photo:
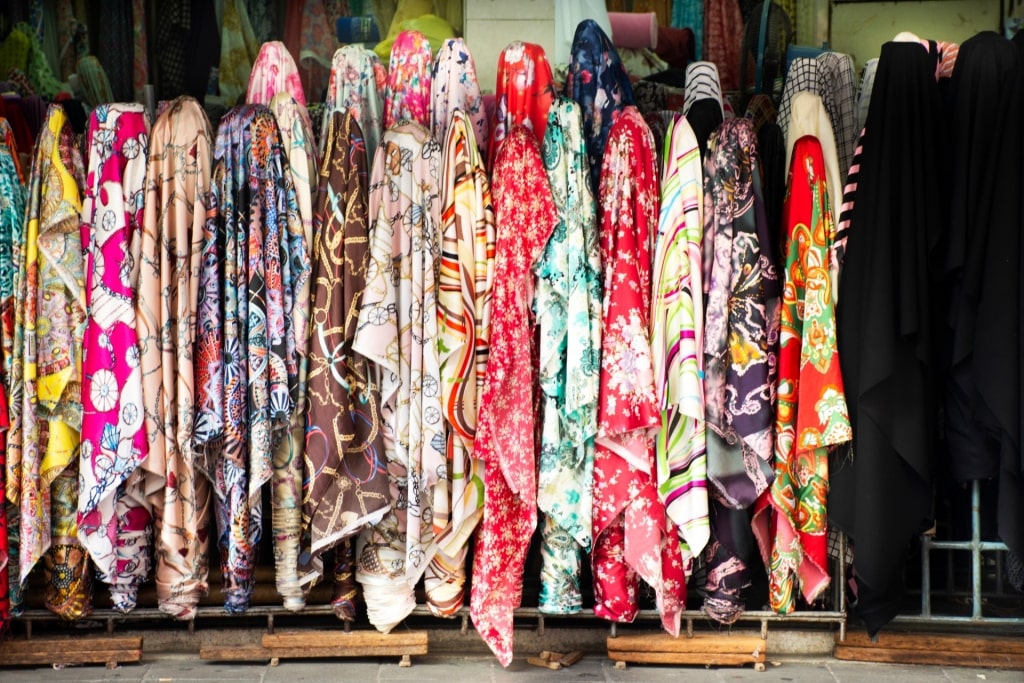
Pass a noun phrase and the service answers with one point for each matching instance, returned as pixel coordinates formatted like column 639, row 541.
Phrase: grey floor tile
column 656, row 673
column 313, row 671
column 587, row 669
column 78, row 674
column 856, row 672
column 972, row 675
column 168, row 670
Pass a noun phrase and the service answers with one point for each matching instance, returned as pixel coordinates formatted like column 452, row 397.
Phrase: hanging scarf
column 274, row 72
column 178, row 187
column 702, row 83
column 723, row 26
column 838, row 92
column 114, row 517
column 523, row 95
column 740, row 334
column 407, row 97
column 599, row 83
column 346, row 485
column 397, row 331
column 633, row 539
column 353, row 88
column 453, row 87
column 465, row 287
column 677, row 342
column 811, row 411
column 238, row 50
column 46, row 413
column 567, row 305
column 297, row 141
column 524, row 217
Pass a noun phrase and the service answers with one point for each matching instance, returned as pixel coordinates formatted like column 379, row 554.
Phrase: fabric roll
column 353, row 87
column 839, row 93
column 116, row 47
column 882, row 497
column 568, row 313
column 465, row 288
column 346, row 481
column 808, row 116
column 525, row 216
column 407, row 96
column 397, row 330
column 598, row 82
column 803, row 76
column 115, row 520
column 274, row 72
column 625, row 473
column 702, row 83
column 677, row 342
column 238, row 51
column 454, row 86
column 636, row 30
column 523, row 94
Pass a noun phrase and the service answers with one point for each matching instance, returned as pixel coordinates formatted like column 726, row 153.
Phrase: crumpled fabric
column 407, row 94
column 274, row 72
column 354, row 87
column 523, row 95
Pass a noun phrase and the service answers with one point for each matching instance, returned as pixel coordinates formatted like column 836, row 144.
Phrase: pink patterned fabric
column 407, row 96
column 274, row 72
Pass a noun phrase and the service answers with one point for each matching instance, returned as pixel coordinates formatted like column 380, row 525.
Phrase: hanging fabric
column 723, row 26
column 690, row 14
column 465, row 287
column 839, row 93
column 677, row 342
column 808, row 116
column 353, row 88
column 140, row 50
column 454, row 86
column 274, row 72
column 524, row 217
column 702, row 105
column 740, row 337
column 238, row 51
column 346, row 486
column 407, row 97
column 567, row 306
column 178, row 196
column 804, row 75
column 115, row 520
column 397, row 331
column 524, row 93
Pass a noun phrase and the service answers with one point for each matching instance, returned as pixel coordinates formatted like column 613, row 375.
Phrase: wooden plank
column 697, row 658
column 413, row 642
column 700, row 642
column 978, row 658
column 258, row 653
column 84, row 656
column 59, row 644
column 896, row 640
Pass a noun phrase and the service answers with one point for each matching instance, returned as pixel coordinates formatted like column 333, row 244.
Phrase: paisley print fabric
column 677, row 341
column 114, row 517
column 525, row 216
column 274, row 72
column 67, row 573
column 353, row 87
column 524, row 93
column 238, row 50
column 465, row 284
column 567, row 306
column 407, row 96
column 633, row 538
column 346, row 486
column 454, row 87
column 599, row 83
column 398, row 331
column 178, row 197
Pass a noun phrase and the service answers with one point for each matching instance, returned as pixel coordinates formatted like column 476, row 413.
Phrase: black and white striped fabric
column 803, row 76
column 702, row 84
column 839, row 94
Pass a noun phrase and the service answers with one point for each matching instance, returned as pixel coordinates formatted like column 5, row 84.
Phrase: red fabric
column 524, row 92
column 723, row 29
column 676, row 46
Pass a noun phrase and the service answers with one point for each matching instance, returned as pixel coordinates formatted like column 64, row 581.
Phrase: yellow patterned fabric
column 238, row 51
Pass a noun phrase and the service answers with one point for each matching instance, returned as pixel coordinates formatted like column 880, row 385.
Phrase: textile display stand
column 934, row 649
column 310, row 644
column 68, row 651
column 705, row 649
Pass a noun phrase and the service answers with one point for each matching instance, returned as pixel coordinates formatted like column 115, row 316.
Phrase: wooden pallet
column 704, row 649
column 325, row 645
column 109, row 650
column 932, row 648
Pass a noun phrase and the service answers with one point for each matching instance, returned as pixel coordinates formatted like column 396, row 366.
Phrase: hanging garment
column 808, row 116
column 311, row 37
column 178, row 196
column 740, row 337
column 525, row 216
column 811, row 415
column 238, row 51
column 723, row 26
column 94, row 82
column 346, row 486
column 677, row 342
column 567, row 306
column 761, row 111
column 297, row 141
column 804, row 75
column 407, row 97
column 454, row 86
column 599, row 83
column 46, row 410
column 115, row 521
column 353, row 88
column 140, row 51
column 633, row 538
column 397, row 331
column 867, row 84
column 882, row 496
column 839, row 93
column 690, row 14
column 660, row 123
column 116, row 47
column 274, row 72
column 6, row 566
column 465, row 287
column 524, row 93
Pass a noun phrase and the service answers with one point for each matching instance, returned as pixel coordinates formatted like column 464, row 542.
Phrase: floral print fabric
column 454, row 87
column 353, row 87
column 274, row 72
column 114, row 516
column 407, row 96
column 524, row 93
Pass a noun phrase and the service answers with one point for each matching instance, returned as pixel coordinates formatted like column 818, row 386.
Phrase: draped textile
column 808, row 116
column 247, row 366
column 311, row 37
column 6, row 566
column 407, row 94
column 567, row 305
column 274, row 72
column 178, row 197
column 525, row 216
column 740, row 338
column 116, row 46
column 46, row 408
column 723, row 26
column 465, row 285
column 690, row 14
column 804, row 75
column 761, row 111
column 454, row 86
column 140, row 51
column 353, row 87
column 114, row 517
column 677, row 342
column 523, row 94
column 811, row 414
column 633, row 538
column 397, row 331
column 346, row 486
column 598, row 82
column 702, row 83
column 839, row 93
column 882, row 497
column 867, row 84
column 298, row 144
column 238, row 51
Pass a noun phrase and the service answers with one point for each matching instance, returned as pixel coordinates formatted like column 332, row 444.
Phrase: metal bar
column 926, row 574
column 976, row 548
column 917, row 619
column 967, row 545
